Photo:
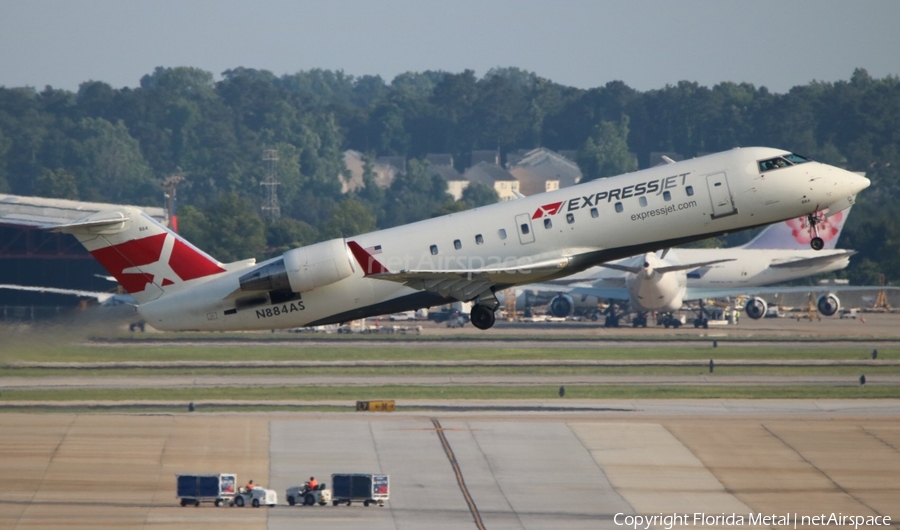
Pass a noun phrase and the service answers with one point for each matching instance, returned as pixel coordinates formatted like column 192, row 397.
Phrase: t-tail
column 796, row 234
column 145, row 257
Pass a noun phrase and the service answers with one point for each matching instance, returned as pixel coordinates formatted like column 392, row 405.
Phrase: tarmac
column 510, row 469
column 496, row 464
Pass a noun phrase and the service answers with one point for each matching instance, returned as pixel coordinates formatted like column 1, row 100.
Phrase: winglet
column 369, row 264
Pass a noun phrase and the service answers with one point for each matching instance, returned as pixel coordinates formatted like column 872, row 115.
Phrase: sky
column 582, row 43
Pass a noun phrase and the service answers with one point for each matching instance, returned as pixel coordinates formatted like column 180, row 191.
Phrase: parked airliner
column 465, row 256
column 664, row 281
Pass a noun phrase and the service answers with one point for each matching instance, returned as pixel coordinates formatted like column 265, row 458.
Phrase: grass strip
column 413, row 392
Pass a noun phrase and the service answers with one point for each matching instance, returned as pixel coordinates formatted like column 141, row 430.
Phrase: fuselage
column 582, row 226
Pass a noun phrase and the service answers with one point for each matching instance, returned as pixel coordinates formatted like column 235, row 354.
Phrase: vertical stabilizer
column 145, row 257
column 795, row 234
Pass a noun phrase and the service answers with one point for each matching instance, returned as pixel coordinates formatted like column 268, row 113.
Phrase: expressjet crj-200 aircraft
column 664, row 282
column 464, row 256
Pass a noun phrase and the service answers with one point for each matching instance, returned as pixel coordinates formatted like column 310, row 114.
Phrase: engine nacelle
column 756, row 308
column 302, row 269
column 562, row 306
column 828, row 304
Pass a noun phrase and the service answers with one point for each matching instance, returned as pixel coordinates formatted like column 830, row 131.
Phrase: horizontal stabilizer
column 690, row 266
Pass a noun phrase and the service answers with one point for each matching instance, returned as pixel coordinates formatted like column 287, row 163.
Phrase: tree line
column 117, row 145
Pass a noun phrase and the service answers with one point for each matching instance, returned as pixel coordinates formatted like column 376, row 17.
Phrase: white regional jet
column 465, row 256
column 663, row 282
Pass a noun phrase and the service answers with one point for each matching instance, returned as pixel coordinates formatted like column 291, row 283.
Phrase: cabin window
column 525, row 228
column 619, row 207
column 570, row 218
column 667, row 195
column 548, row 223
column 502, row 233
column 689, row 190
column 478, row 239
column 457, row 244
column 595, row 213
column 642, row 201
column 434, row 250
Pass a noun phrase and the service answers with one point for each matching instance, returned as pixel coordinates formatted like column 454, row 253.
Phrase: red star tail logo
column 137, row 262
column 547, row 209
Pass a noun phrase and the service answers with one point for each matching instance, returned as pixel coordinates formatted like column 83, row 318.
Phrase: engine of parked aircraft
column 828, row 304
column 302, row 269
column 756, row 308
column 562, row 306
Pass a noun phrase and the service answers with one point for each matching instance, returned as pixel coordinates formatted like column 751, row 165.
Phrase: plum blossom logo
column 829, row 227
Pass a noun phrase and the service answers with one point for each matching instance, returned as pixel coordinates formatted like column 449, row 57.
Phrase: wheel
column 482, row 317
column 255, row 503
column 323, row 503
column 196, row 504
column 309, row 500
column 817, row 243
column 705, row 324
column 291, row 500
column 366, row 504
column 184, row 502
column 676, row 324
column 218, row 502
column 239, row 501
column 348, row 503
column 334, row 503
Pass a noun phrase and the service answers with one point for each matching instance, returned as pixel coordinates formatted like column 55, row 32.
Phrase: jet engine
column 828, row 304
column 756, row 308
column 302, row 269
column 562, row 306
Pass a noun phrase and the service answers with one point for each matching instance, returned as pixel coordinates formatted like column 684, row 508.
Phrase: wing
column 809, row 262
column 100, row 296
column 702, row 294
column 460, row 284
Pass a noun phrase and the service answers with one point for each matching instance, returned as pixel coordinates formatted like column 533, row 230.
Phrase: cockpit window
column 773, row 163
column 796, row 159
column 779, row 162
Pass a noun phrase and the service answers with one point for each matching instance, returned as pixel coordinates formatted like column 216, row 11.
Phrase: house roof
column 549, row 165
column 486, row 173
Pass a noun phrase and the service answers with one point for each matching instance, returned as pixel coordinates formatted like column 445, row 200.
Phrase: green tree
column 478, row 194
column 605, row 153
column 108, row 165
column 349, row 218
column 284, row 234
column 229, row 229
column 59, row 184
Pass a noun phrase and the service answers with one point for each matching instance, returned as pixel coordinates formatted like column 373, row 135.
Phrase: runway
column 522, row 470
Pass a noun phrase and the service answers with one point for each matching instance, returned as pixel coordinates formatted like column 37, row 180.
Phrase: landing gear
column 482, row 316
column 817, row 243
column 612, row 316
column 640, row 320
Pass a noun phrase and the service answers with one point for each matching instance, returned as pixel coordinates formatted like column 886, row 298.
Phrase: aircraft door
column 720, row 195
column 523, row 227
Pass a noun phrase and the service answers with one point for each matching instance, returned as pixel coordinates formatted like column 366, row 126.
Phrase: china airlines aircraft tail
column 145, row 257
column 795, row 234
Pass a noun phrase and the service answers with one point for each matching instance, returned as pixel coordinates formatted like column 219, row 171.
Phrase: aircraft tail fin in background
column 145, row 257
column 795, row 234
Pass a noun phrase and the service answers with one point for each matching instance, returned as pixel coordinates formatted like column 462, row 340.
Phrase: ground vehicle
column 194, row 489
column 349, row 487
column 255, row 497
column 302, row 495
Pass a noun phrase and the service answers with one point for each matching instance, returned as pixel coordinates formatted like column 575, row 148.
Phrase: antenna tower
column 270, row 208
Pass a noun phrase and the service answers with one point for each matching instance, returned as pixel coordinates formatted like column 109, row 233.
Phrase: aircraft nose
column 853, row 182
